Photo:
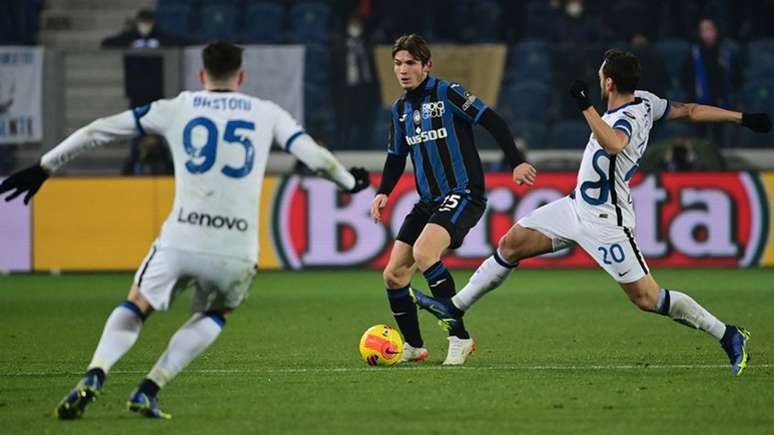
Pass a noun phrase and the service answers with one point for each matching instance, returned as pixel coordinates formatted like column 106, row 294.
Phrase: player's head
column 222, row 66
column 619, row 73
column 411, row 60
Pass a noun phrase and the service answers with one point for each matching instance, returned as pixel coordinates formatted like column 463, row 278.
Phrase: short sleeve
column 660, row 106
column 464, row 104
column 624, row 124
column 286, row 128
column 156, row 116
column 396, row 140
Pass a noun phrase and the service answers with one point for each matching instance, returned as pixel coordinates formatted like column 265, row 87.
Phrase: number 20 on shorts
column 614, row 252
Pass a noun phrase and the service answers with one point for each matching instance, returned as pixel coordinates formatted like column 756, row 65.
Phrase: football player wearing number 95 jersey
column 598, row 214
column 220, row 141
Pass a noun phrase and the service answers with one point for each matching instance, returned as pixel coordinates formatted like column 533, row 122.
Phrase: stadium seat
column 569, row 134
column 264, row 23
column 316, row 64
column 219, row 21
column 534, row 133
column 674, row 52
column 175, row 18
column 478, row 20
column 320, row 123
column 310, row 22
column 760, row 63
column 381, row 130
column 538, row 20
column 527, row 101
column 529, row 61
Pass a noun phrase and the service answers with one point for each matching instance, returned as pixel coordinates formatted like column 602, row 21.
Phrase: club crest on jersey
column 433, row 109
column 417, row 117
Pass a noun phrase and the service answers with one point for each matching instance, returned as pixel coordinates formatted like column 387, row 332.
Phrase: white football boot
column 413, row 354
column 459, row 351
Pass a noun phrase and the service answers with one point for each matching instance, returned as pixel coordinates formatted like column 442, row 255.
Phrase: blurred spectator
column 355, row 84
column 149, row 155
column 680, row 158
column 143, row 33
column 711, row 74
column 577, row 24
column 144, row 83
column 654, row 76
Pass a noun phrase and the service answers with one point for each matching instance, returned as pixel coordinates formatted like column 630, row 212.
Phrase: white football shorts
column 613, row 247
column 219, row 282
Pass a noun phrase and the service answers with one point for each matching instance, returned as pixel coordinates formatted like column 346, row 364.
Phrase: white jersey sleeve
column 293, row 139
column 97, row 133
column 660, row 106
column 153, row 118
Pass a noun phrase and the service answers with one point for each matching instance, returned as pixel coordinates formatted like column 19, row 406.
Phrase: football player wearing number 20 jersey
column 220, row 141
column 598, row 214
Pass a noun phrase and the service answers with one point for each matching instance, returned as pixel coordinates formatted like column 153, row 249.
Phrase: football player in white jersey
column 220, row 141
column 598, row 214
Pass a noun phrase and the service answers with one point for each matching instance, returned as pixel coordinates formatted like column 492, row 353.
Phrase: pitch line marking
column 425, row 368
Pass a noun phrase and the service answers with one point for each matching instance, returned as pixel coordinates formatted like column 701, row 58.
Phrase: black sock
column 405, row 313
column 99, row 373
column 150, row 388
column 441, row 284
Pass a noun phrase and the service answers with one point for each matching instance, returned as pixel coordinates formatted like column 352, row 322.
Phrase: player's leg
column 397, row 280
column 517, row 244
column 616, row 251
column 221, row 286
column 649, row 296
column 544, row 230
column 118, row 336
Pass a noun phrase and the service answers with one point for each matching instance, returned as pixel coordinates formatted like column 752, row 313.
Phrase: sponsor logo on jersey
column 212, row 221
column 469, row 102
column 434, row 109
column 424, row 136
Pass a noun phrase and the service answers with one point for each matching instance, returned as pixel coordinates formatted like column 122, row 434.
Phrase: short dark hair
column 416, row 46
column 144, row 15
column 623, row 68
column 221, row 59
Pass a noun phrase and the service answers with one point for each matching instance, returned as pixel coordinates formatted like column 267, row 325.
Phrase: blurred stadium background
column 561, row 351
column 67, row 62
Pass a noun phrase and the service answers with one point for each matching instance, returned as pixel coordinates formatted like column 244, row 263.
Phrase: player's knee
column 139, row 301
column 424, row 258
column 395, row 277
column 509, row 248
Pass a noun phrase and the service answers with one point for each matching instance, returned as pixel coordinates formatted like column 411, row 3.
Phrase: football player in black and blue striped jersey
column 433, row 123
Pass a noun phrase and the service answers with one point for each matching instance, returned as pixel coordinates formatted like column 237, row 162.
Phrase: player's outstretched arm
column 758, row 122
column 327, row 166
column 523, row 172
column 612, row 140
column 29, row 180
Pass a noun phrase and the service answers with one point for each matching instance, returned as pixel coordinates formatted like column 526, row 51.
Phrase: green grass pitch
column 560, row 351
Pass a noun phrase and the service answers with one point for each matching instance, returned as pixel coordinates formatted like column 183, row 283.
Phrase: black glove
column 580, row 92
column 27, row 180
column 757, row 122
column 362, row 179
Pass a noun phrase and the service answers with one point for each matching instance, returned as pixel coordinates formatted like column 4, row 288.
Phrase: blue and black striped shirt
column 434, row 124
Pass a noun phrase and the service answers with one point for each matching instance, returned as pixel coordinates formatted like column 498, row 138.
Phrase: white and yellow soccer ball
column 381, row 345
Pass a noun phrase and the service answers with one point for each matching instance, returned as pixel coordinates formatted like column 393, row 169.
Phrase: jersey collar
column 423, row 88
column 637, row 100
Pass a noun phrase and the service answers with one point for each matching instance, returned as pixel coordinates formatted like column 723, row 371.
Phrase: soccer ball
column 381, row 345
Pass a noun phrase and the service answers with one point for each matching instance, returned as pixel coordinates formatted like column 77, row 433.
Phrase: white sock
column 683, row 309
column 189, row 341
column 489, row 275
column 121, row 331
